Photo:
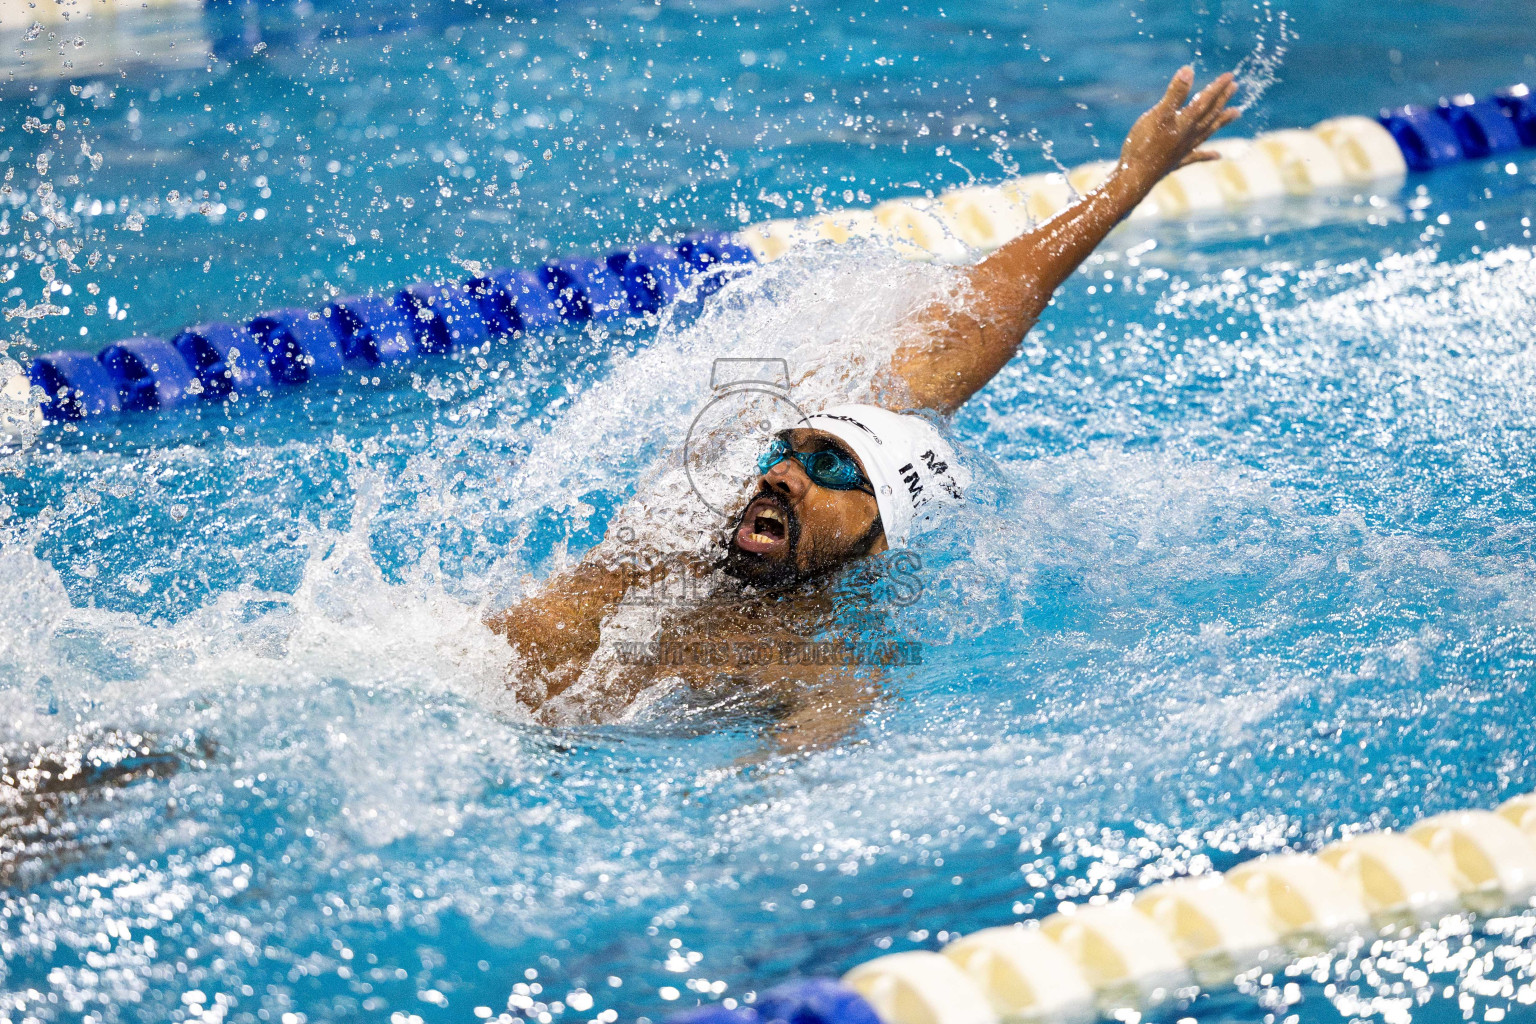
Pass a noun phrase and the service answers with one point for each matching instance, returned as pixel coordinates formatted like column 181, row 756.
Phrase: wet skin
column 793, row 529
column 793, row 532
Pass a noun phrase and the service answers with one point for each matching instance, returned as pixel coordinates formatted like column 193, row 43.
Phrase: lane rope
column 223, row 362
column 1082, row 962
column 1138, row 952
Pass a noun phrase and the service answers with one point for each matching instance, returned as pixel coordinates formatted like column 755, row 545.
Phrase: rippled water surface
column 1250, row 561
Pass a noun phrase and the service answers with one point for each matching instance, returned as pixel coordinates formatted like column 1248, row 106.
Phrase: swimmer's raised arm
column 958, row 351
column 802, row 525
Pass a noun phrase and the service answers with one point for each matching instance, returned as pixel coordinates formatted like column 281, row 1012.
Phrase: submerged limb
column 824, row 704
column 44, row 785
column 826, row 719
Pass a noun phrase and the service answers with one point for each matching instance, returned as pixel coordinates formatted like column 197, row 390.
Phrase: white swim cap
column 913, row 469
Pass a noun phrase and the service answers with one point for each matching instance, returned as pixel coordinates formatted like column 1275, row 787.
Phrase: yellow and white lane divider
column 1134, row 953
column 1341, row 152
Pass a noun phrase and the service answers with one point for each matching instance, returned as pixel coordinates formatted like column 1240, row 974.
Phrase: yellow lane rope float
column 1341, row 152
column 1136, row 952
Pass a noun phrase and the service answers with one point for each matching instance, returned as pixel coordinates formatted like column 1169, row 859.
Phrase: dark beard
column 756, row 570
column 765, row 575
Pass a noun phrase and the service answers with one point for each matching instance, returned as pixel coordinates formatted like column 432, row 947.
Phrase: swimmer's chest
column 770, row 649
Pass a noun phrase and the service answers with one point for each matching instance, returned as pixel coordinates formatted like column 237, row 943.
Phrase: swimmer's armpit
column 558, row 630
column 959, row 346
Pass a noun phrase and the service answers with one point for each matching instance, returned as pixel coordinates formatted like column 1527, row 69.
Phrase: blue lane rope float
column 586, row 289
column 515, row 300
column 1482, row 127
column 223, row 356
column 653, row 275
column 1520, row 105
column 1136, row 953
column 1426, row 139
column 148, row 373
column 75, row 385
column 300, row 347
column 373, row 329
column 443, row 317
column 804, row 1001
column 289, row 347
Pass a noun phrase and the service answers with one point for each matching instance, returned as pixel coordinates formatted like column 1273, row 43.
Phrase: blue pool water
column 1251, row 561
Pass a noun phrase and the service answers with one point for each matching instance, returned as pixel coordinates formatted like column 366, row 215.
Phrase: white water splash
column 1260, row 69
column 21, row 415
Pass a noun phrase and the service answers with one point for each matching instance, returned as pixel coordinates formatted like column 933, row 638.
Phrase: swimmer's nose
column 788, row 480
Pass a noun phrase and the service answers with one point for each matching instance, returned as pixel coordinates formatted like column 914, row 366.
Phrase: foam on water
column 1179, row 631
column 833, row 317
column 1247, row 560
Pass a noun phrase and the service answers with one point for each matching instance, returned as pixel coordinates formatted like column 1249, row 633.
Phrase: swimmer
column 851, row 482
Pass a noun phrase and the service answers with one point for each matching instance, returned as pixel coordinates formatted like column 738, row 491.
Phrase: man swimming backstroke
column 842, row 484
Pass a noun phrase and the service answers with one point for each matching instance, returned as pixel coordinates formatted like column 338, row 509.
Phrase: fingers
column 1200, row 156
column 1178, row 88
column 1213, row 97
column 1216, row 122
column 1215, row 113
column 1218, row 118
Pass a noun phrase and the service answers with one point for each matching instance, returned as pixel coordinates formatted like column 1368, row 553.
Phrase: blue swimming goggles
column 830, row 468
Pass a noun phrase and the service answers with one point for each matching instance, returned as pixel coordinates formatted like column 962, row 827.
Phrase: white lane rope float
column 1139, row 951
column 225, row 362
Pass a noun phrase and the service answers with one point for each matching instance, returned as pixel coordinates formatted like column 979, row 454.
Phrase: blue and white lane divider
column 1135, row 953
column 1341, row 152
column 289, row 347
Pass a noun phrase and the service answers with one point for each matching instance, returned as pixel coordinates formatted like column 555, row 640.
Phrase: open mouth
column 764, row 526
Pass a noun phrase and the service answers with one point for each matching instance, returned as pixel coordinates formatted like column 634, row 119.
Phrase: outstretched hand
column 957, row 348
column 1170, row 135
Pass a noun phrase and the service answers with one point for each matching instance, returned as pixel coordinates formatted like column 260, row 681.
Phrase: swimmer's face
column 793, row 528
